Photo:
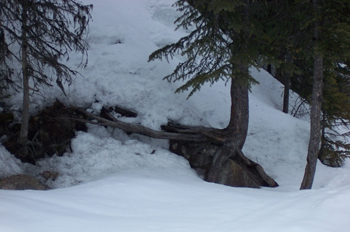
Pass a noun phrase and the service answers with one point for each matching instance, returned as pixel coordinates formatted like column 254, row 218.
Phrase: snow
column 115, row 182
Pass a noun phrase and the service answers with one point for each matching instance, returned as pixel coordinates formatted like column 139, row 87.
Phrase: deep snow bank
column 122, row 184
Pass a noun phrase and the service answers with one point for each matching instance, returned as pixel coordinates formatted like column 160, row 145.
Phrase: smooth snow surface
column 115, row 182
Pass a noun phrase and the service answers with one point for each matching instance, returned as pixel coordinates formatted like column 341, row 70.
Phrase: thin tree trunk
column 315, row 131
column 286, row 82
column 286, row 92
column 2, row 44
column 23, row 137
column 269, row 68
column 323, row 134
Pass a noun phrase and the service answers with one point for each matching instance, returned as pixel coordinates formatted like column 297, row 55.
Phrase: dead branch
column 139, row 129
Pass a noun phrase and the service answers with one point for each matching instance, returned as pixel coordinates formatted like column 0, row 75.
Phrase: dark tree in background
column 5, row 70
column 312, row 44
column 42, row 34
column 296, row 47
column 331, row 45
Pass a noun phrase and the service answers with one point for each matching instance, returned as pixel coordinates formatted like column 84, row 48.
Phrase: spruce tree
column 311, row 43
column 223, row 45
column 335, row 107
column 5, row 70
column 305, row 40
column 45, row 32
column 321, row 44
column 336, row 114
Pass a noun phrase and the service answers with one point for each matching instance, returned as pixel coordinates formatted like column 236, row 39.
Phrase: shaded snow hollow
column 116, row 182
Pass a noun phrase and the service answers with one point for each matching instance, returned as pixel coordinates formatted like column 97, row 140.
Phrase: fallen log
column 139, row 129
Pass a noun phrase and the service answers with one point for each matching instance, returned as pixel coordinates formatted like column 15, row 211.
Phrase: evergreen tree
column 305, row 40
column 5, row 70
column 335, row 107
column 45, row 32
column 287, row 41
column 321, row 46
column 222, row 46
column 336, row 114
column 335, row 45
column 310, row 40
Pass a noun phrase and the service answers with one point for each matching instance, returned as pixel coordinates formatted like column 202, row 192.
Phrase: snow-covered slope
column 115, row 182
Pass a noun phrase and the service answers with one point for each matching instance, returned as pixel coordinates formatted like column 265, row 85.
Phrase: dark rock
column 22, row 182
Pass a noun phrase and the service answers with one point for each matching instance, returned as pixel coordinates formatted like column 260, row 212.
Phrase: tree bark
column 237, row 128
column 286, row 82
column 315, row 130
column 235, row 133
column 323, row 135
column 269, row 68
column 286, row 93
column 23, row 137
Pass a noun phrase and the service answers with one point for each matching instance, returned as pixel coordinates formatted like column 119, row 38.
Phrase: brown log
column 172, row 127
column 139, row 129
column 119, row 110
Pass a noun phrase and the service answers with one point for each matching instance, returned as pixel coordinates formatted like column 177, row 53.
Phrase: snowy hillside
column 116, row 182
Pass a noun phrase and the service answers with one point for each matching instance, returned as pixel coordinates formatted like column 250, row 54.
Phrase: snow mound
column 9, row 165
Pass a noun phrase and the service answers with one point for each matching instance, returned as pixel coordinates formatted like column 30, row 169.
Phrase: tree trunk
column 269, row 68
column 286, row 93
column 315, row 131
column 237, row 128
column 286, row 82
column 323, row 134
column 235, row 133
column 2, row 45
column 23, row 137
